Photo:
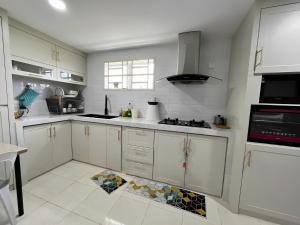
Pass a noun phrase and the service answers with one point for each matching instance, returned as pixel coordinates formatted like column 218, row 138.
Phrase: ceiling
column 93, row 25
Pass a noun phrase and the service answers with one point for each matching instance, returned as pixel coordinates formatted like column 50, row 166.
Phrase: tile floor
column 67, row 196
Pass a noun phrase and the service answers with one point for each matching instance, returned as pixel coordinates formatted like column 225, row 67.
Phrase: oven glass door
column 275, row 125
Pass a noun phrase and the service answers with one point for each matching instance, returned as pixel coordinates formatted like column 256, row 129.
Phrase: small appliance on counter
column 153, row 111
column 65, row 105
column 220, row 122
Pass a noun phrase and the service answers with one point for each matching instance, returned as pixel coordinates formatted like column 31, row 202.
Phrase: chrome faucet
column 106, row 109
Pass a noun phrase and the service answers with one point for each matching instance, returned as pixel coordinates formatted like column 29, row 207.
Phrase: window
column 131, row 74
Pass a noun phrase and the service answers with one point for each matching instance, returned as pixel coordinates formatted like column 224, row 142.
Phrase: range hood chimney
column 189, row 59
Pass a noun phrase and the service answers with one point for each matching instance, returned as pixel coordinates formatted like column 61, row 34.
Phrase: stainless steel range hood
column 189, row 59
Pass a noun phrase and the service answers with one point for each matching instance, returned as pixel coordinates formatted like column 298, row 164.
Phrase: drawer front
column 137, row 169
column 139, row 137
column 139, row 154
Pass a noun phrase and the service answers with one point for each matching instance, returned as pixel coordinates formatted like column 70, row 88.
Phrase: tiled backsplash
column 182, row 101
column 44, row 88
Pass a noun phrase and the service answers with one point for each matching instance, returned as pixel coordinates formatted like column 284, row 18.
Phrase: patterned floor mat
column 109, row 181
column 168, row 194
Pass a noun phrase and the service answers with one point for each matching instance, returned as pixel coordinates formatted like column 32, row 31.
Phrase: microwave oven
column 273, row 124
column 280, row 89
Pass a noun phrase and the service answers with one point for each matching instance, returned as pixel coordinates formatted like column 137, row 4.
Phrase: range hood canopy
column 189, row 59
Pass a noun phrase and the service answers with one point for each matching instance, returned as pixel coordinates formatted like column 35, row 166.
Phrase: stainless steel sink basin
column 99, row 116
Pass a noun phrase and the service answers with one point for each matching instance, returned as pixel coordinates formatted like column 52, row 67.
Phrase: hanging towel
column 27, row 97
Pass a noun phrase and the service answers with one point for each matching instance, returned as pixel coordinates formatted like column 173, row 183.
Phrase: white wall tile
column 182, row 101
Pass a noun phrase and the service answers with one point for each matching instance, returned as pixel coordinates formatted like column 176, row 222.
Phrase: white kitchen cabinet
column 49, row 146
column 114, row 148
column 278, row 44
column 169, row 157
column 4, row 125
column 3, row 90
column 97, row 144
column 137, row 152
column 61, row 139
column 205, row 164
column 39, row 158
column 71, row 61
column 271, row 182
column 27, row 46
column 80, row 141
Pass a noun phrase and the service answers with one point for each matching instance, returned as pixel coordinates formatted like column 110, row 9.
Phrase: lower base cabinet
column 50, row 146
column 196, row 162
column 97, row 144
column 271, row 182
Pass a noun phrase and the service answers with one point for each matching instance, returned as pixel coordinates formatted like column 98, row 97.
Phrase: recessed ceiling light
column 58, row 4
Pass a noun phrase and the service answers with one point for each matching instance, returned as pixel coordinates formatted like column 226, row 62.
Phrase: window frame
column 126, row 60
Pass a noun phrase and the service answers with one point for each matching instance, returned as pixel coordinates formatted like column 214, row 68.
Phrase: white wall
column 182, row 101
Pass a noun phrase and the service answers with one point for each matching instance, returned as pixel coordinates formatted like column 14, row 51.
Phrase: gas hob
column 186, row 123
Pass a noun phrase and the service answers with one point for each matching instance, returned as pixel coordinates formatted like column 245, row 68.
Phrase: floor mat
column 109, row 181
column 168, row 194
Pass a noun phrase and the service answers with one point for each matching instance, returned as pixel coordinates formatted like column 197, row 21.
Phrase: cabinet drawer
column 139, row 154
column 137, row 169
column 139, row 137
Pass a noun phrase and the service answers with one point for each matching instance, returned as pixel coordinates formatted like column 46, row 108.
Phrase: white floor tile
column 161, row 216
column 72, row 196
column 193, row 220
column 74, row 170
column 73, row 219
column 126, row 211
column 49, row 188
column 96, row 206
column 47, row 214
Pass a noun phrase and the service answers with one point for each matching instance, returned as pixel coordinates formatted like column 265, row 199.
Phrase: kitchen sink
column 99, row 116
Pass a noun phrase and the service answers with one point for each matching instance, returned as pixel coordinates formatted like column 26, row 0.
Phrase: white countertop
column 128, row 122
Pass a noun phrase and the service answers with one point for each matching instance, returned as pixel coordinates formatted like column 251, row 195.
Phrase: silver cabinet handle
column 249, row 159
column 140, row 133
column 119, row 135
column 88, row 131
column 57, row 56
column 188, row 148
column 85, row 133
column 50, row 132
column 260, row 54
column 54, row 132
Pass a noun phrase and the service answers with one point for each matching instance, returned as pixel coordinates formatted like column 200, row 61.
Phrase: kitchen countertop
column 120, row 121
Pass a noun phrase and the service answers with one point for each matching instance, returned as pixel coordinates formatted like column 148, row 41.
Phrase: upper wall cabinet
column 39, row 56
column 27, row 46
column 278, row 44
column 70, row 61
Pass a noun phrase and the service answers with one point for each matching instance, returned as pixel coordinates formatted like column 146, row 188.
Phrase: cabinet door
column 3, row 91
column 114, row 151
column 80, row 144
column 62, row 151
column 271, row 184
column 206, row 164
column 169, row 157
column 30, row 47
column 278, row 45
column 4, row 125
column 71, row 61
column 97, row 144
column 38, row 159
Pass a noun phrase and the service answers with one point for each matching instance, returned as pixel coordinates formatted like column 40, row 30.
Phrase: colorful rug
column 168, row 194
column 109, row 181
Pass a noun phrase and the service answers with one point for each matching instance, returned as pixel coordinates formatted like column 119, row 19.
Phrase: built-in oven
column 274, row 124
column 280, row 89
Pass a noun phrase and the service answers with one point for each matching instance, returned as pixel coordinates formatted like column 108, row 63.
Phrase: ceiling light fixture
column 58, row 4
